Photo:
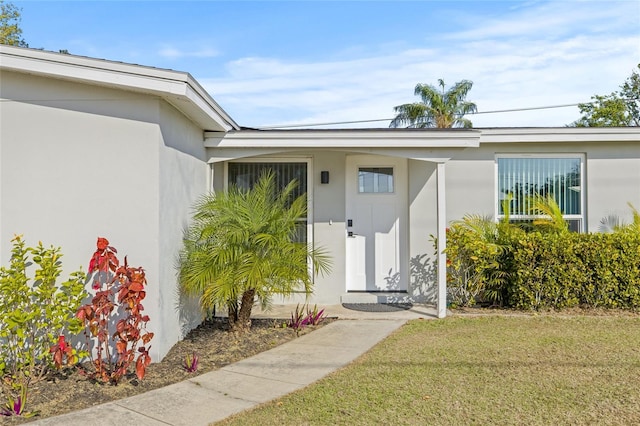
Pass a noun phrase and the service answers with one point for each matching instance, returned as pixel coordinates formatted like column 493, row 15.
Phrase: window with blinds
column 522, row 177
column 245, row 175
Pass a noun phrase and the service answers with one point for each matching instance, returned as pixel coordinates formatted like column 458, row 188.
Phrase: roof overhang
column 177, row 88
column 347, row 138
column 436, row 145
column 560, row 134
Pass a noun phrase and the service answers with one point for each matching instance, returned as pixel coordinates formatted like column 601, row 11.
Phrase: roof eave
column 560, row 134
column 349, row 138
column 178, row 88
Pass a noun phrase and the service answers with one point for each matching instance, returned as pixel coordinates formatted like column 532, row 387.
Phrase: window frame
column 581, row 218
column 392, row 175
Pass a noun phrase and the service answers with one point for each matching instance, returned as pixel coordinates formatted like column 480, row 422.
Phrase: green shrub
column 539, row 269
column 546, row 272
column 567, row 270
column 34, row 312
column 474, row 261
column 614, row 260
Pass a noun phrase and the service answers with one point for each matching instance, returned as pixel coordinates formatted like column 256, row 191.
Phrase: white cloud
column 171, row 52
column 542, row 55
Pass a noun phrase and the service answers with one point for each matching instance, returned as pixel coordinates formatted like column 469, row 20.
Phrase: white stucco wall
column 423, row 225
column 79, row 161
column 469, row 183
column 66, row 159
column 183, row 176
column 329, row 230
column 613, row 180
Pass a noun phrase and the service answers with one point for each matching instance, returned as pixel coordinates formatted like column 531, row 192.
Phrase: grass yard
column 509, row 370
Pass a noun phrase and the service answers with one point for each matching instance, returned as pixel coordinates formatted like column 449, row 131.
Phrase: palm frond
column 636, row 217
column 244, row 240
column 549, row 208
column 410, row 115
column 610, row 223
column 439, row 107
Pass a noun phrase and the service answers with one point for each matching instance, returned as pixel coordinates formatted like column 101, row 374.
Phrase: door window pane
column 375, row 179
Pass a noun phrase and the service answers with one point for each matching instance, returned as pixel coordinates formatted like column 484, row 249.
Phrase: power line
column 331, row 123
column 286, row 126
column 325, row 124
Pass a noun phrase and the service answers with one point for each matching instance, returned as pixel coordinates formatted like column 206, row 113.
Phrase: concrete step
column 375, row 297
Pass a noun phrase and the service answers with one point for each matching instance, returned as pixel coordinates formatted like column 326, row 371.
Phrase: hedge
column 556, row 270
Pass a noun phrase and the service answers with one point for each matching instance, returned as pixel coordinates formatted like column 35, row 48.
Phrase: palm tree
column 242, row 247
column 613, row 223
column 439, row 108
column 553, row 218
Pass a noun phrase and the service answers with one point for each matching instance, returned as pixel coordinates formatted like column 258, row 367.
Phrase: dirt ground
column 213, row 344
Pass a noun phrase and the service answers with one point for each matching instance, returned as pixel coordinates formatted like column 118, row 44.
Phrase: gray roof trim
column 180, row 89
column 348, row 138
column 560, row 134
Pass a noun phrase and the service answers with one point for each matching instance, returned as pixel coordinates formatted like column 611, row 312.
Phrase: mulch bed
column 211, row 341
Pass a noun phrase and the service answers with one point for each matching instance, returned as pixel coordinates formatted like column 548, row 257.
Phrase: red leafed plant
column 120, row 303
column 63, row 350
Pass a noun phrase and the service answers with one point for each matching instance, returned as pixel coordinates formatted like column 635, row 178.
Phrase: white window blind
column 246, row 174
column 522, row 177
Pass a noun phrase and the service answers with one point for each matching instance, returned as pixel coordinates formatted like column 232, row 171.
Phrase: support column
column 442, row 243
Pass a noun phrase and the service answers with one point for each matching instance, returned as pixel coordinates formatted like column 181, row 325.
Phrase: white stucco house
column 92, row 148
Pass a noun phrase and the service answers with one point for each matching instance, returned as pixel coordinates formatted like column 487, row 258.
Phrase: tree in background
column 10, row 31
column 243, row 246
column 618, row 109
column 631, row 92
column 439, row 108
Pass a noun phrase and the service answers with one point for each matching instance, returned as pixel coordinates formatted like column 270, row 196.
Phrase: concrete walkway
column 218, row 394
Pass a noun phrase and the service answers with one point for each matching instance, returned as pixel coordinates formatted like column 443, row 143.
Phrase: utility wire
column 331, row 123
column 286, row 126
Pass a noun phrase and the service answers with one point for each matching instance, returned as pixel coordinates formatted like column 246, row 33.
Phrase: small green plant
column 35, row 313
column 191, row 363
column 121, row 298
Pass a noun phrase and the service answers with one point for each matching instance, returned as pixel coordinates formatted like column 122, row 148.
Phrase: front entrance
column 376, row 213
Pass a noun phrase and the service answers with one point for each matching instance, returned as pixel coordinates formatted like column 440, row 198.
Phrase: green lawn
column 517, row 370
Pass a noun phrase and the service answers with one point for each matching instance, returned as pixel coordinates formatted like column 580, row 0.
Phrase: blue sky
column 276, row 62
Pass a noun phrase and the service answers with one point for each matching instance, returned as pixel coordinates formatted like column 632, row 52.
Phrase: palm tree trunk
column 243, row 319
column 232, row 307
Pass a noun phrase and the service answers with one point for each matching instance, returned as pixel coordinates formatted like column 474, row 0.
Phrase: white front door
column 376, row 213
